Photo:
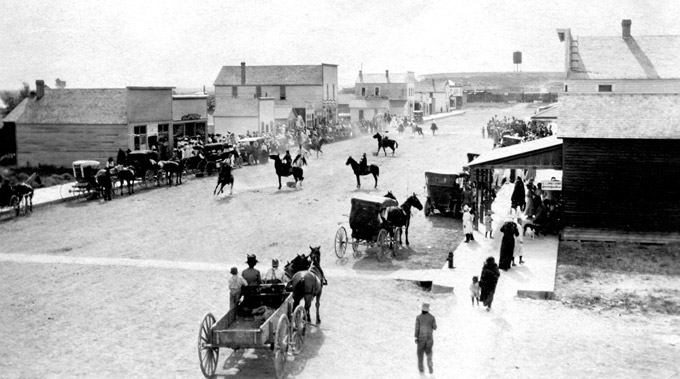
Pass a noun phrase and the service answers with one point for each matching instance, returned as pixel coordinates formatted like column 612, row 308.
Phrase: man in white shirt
column 274, row 275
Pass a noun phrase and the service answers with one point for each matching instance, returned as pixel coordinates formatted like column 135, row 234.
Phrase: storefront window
column 140, row 137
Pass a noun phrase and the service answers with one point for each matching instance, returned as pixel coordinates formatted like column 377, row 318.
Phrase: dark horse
column 384, row 142
column 24, row 192
column 418, row 129
column 401, row 216
column 285, row 170
column 225, row 177
column 172, row 168
column 308, row 284
column 125, row 175
column 316, row 146
column 372, row 169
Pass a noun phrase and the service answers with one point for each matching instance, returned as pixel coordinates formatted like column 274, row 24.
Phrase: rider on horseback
column 363, row 164
column 287, row 161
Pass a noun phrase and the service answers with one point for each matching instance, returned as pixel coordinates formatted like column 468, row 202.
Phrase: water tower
column 517, row 60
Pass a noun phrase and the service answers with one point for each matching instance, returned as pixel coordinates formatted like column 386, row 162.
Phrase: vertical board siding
column 622, row 184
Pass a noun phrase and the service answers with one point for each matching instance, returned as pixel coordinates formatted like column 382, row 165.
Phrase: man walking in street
column 425, row 325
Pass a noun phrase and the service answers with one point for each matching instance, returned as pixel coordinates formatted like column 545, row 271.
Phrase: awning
column 543, row 153
column 549, row 114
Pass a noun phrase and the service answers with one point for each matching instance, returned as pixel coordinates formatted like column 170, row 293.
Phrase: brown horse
column 401, row 216
column 286, row 170
column 225, row 177
column 172, row 168
column 372, row 169
column 308, row 284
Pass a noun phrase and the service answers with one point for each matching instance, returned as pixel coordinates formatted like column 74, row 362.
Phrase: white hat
column 426, row 307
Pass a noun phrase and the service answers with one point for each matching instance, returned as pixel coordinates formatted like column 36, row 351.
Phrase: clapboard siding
column 624, row 184
column 60, row 145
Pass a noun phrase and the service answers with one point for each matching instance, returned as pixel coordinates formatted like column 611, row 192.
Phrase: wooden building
column 59, row 126
column 398, row 89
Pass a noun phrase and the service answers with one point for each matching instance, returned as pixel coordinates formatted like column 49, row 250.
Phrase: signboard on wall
column 456, row 91
column 551, row 185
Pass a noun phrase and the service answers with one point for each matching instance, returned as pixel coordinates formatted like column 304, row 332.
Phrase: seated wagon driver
column 251, row 274
column 274, row 275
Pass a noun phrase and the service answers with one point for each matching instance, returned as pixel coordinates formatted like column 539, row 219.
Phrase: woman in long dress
column 467, row 224
column 509, row 230
column 487, row 282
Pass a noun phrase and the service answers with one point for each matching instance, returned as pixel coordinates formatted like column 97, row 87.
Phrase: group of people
column 252, row 277
column 496, row 128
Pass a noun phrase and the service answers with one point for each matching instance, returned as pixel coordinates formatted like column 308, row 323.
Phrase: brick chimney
column 39, row 89
column 625, row 26
column 243, row 73
column 387, row 75
column 361, row 76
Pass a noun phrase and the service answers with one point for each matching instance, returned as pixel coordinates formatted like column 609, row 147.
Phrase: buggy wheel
column 395, row 240
column 281, row 347
column 200, row 167
column 66, row 191
column 251, row 160
column 15, row 204
column 298, row 329
column 427, row 208
column 239, row 161
column 160, row 175
column 355, row 248
column 383, row 245
column 340, row 242
column 207, row 353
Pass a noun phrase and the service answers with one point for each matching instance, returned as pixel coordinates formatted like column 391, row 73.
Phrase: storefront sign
column 551, row 185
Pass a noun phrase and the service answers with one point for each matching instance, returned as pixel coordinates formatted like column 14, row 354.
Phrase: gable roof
column 271, row 75
column 549, row 113
column 404, row 77
column 617, row 115
column 73, row 106
column 637, row 57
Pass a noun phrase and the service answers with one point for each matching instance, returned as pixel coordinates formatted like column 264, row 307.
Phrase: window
column 566, row 88
column 363, row 91
column 604, row 88
column 258, row 92
column 234, row 91
column 163, row 133
column 377, row 91
column 431, row 94
column 140, row 137
column 282, row 92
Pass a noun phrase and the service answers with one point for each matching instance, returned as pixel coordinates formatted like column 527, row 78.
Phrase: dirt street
column 118, row 289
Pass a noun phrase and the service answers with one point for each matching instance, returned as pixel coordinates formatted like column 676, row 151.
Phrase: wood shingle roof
column 271, row 75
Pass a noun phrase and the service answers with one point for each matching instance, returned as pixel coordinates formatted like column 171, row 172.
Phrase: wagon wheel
column 66, row 191
column 383, row 245
column 299, row 329
column 200, row 167
column 395, row 240
column 427, row 208
column 160, row 174
column 340, row 242
column 251, row 160
column 281, row 347
column 15, row 204
column 207, row 353
column 355, row 248
column 239, row 161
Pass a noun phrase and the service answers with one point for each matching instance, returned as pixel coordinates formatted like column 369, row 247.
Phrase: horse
column 125, row 174
column 25, row 192
column 400, row 128
column 308, row 285
column 172, row 168
column 104, row 184
column 372, row 169
column 299, row 263
column 384, row 142
column 316, row 145
column 225, row 177
column 401, row 216
column 284, row 170
column 417, row 129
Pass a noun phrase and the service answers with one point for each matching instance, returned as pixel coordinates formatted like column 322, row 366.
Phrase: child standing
column 487, row 225
column 475, row 291
column 235, row 284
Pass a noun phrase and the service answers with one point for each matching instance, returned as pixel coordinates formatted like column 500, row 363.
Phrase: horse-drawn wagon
column 444, row 192
column 250, row 150
column 145, row 166
column 279, row 327
column 86, row 185
column 208, row 158
column 367, row 221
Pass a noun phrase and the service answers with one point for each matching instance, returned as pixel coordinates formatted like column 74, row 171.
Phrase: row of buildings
column 57, row 126
column 618, row 141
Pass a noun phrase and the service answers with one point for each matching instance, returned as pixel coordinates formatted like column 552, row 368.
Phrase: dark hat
column 252, row 258
column 275, row 263
column 234, row 271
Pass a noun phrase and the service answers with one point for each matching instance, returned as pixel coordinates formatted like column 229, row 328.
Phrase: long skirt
column 507, row 250
column 486, row 296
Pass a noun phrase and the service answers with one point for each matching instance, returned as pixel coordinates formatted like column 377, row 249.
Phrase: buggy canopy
column 87, row 163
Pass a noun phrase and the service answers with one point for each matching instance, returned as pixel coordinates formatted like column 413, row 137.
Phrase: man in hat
column 235, row 284
column 425, row 325
column 251, row 274
column 363, row 164
column 274, row 275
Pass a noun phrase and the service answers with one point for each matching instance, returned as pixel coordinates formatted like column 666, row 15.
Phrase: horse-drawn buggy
column 369, row 226
column 89, row 182
column 145, row 165
column 265, row 318
column 444, row 192
column 15, row 200
column 208, row 158
column 250, row 151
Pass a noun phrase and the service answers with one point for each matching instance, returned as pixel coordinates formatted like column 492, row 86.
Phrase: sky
column 113, row 44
